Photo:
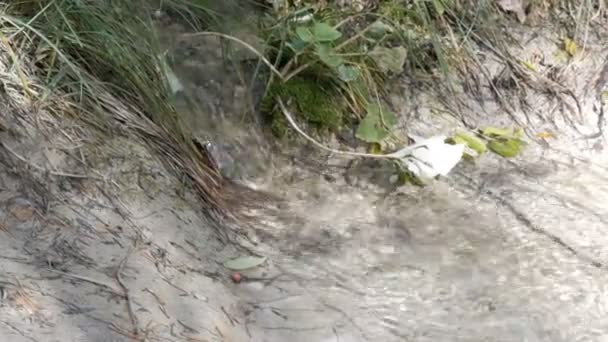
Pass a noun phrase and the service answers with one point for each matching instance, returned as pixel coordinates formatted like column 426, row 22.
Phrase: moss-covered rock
column 315, row 103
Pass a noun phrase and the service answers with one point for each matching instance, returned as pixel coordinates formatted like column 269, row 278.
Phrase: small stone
column 236, row 277
column 329, row 178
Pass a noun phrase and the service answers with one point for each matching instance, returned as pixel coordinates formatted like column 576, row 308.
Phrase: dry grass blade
column 22, row 299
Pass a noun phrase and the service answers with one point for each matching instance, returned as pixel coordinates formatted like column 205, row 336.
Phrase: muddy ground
column 100, row 243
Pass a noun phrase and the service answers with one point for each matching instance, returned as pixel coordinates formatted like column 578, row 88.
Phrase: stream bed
column 504, row 250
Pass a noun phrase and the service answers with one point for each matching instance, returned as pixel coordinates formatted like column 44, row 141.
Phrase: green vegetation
column 322, row 72
column 332, row 66
column 81, row 47
column 434, row 42
column 506, row 143
column 102, row 64
column 320, row 106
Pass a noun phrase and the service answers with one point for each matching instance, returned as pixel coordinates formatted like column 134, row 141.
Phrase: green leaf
column 243, row 263
column 570, row 47
column 497, row 132
column 389, row 59
column 494, row 132
column 507, row 148
column 376, row 125
column 379, row 29
column 348, row 73
column 439, row 7
column 471, row 141
column 325, row 54
column 325, row 33
column 305, row 34
column 297, row 44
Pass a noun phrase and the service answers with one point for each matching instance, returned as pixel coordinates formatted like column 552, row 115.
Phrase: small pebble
column 329, row 178
column 236, row 277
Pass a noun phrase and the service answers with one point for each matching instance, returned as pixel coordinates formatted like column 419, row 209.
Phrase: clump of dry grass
column 100, row 62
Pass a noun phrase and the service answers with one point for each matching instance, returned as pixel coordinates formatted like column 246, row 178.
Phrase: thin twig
column 88, row 280
column 318, row 144
column 161, row 303
column 125, row 291
column 40, row 168
column 399, row 155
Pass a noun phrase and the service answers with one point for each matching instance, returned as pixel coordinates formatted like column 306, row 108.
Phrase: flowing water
column 502, row 250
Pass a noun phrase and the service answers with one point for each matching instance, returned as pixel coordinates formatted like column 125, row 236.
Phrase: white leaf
column 428, row 158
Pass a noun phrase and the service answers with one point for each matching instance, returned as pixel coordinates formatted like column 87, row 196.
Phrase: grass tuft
column 102, row 61
column 444, row 40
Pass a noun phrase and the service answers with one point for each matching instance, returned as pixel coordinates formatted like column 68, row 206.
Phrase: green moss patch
column 315, row 102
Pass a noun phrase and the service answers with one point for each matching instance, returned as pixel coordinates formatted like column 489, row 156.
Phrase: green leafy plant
column 473, row 142
column 507, row 143
column 101, row 62
column 377, row 125
column 504, row 142
column 343, row 66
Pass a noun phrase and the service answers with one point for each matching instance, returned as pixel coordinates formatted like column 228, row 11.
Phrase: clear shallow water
column 500, row 251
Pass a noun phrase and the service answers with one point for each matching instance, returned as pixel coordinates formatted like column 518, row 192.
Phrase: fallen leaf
column 389, row 59
column 502, row 132
column 22, row 213
column 243, row 263
column 471, row 141
column 430, row 157
column 507, row 148
column 494, row 131
column 570, row 47
column 545, row 135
